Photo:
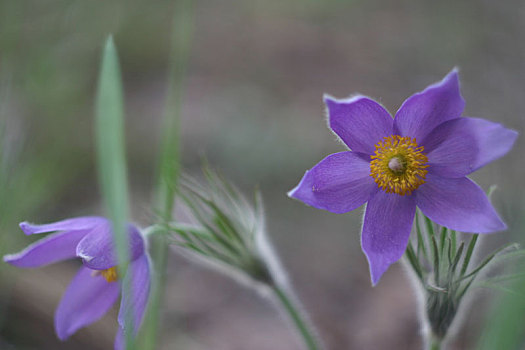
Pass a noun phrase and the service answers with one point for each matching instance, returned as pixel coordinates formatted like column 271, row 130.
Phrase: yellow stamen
column 110, row 274
column 398, row 165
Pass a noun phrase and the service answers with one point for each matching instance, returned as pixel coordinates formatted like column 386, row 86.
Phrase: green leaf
column 461, row 292
column 111, row 159
column 470, row 250
column 504, row 327
column 421, row 247
column 446, row 253
column 487, row 284
column 487, row 260
column 412, row 259
column 436, row 259
column 454, row 264
column 430, row 226
column 505, row 278
column 453, row 240
column 442, row 239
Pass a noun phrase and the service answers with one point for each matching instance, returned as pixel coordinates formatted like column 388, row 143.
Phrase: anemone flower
column 95, row 288
column 421, row 157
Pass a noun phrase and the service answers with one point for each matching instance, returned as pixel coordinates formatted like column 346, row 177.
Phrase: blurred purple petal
column 55, row 247
column 119, row 340
column 451, row 149
column 140, row 287
column 85, row 301
column 386, row 229
column 359, row 121
column 339, row 183
column 425, row 110
column 459, row 204
column 74, row 224
column 98, row 251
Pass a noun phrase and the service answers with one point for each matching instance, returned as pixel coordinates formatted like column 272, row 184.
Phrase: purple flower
column 95, row 288
column 421, row 157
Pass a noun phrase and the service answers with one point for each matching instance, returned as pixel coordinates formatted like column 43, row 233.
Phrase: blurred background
column 253, row 106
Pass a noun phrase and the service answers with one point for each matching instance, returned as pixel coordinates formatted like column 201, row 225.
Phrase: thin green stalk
column 169, row 165
column 429, row 225
column 435, row 343
column 453, row 240
column 442, row 240
column 414, row 262
column 420, row 240
column 436, row 259
column 111, row 160
column 454, row 264
column 468, row 255
column 298, row 321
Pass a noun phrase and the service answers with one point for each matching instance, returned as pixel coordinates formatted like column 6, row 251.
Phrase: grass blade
column 169, row 162
column 109, row 125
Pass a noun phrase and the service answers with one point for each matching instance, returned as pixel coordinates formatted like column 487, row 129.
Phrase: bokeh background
column 253, row 106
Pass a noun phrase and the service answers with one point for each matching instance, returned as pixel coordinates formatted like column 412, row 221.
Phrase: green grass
column 111, row 157
column 168, row 165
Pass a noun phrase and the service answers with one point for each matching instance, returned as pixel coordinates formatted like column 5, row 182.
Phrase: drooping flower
column 95, row 288
column 421, row 157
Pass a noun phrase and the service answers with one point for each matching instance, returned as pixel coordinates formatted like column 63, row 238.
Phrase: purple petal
column 55, row 247
column 460, row 146
column 140, row 287
column 74, row 224
column 458, row 204
column 386, row 229
column 359, row 121
column 451, row 149
column 493, row 140
column 339, row 183
column 85, row 301
column 425, row 110
column 97, row 248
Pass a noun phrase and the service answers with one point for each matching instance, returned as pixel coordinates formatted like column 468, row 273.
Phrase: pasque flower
column 95, row 288
column 421, row 157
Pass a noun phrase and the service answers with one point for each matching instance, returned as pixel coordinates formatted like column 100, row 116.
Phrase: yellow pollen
column 110, row 274
column 398, row 165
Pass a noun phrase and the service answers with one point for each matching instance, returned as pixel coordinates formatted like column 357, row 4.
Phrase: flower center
column 110, row 274
column 398, row 165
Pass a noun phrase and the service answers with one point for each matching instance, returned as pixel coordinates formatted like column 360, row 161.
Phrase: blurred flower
column 95, row 288
column 419, row 158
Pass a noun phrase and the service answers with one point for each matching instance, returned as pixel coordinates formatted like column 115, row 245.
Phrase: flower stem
column 434, row 343
column 299, row 322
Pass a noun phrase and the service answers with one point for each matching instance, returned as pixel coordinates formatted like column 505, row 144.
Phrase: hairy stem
column 297, row 318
